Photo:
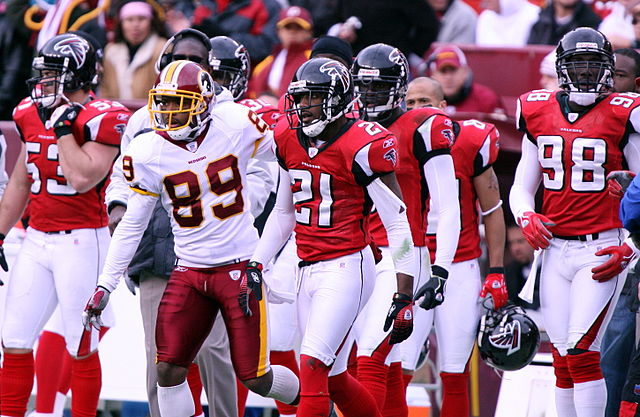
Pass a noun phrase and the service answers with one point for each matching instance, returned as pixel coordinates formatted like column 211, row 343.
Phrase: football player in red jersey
column 474, row 151
column 425, row 169
column 573, row 138
column 230, row 64
column 70, row 141
column 332, row 168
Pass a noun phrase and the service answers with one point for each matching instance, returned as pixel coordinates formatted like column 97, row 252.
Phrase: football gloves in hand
column 495, row 286
column 618, row 182
column 63, row 117
column 534, row 228
column 619, row 260
column 93, row 310
column 251, row 283
column 433, row 290
column 400, row 316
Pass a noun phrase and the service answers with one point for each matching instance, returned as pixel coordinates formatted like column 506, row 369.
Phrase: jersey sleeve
column 377, row 158
column 434, row 136
column 488, row 152
column 107, row 128
column 138, row 170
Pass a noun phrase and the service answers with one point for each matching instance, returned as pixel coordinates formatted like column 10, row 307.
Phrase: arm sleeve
column 393, row 215
column 126, row 239
column 527, row 180
column 279, row 225
column 4, row 178
column 118, row 190
column 259, row 185
column 632, row 152
column 443, row 189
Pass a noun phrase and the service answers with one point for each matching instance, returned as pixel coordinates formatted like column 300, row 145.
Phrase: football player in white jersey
column 195, row 162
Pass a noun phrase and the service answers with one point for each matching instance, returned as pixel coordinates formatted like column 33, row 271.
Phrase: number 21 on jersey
column 302, row 182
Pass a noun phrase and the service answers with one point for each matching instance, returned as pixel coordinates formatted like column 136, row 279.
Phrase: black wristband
column 114, row 204
column 2, row 236
column 402, row 297
column 496, row 270
column 62, row 130
column 439, row 271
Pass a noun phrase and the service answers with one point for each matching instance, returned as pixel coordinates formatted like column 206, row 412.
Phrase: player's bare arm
column 16, row 195
column 85, row 166
column 488, row 191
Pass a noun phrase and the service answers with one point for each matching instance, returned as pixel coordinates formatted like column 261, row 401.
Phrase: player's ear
column 637, row 85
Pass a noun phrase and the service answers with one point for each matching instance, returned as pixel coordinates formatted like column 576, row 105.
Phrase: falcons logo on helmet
column 334, row 69
column 74, row 47
column 508, row 337
column 398, row 58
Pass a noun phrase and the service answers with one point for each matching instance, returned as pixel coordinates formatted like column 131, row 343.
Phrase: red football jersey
column 328, row 185
column 474, row 151
column 53, row 204
column 266, row 111
column 576, row 152
column 422, row 134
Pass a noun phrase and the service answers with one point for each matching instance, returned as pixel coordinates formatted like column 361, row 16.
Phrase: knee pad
column 561, row 369
column 584, row 365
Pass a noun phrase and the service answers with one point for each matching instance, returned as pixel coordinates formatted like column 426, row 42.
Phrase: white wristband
column 491, row 210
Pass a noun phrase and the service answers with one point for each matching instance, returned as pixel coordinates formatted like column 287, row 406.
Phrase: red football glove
column 619, row 260
column 401, row 316
column 618, row 182
column 534, row 228
column 495, row 285
column 94, row 307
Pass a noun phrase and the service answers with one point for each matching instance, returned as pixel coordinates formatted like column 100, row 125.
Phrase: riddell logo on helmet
column 76, row 47
column 586, row 45
column 508, row 337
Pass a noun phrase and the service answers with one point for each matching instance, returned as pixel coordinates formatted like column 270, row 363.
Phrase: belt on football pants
column 581, row 238
column 302, row 264
column 59, row 232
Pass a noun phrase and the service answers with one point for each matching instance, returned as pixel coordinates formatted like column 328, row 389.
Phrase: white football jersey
column 203, row 184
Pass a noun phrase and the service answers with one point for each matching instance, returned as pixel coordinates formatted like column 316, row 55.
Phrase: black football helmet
column 380, row 74
column 230, row 65
column 585, row 63
column 327, row 77
column 66, row 63
column 507, row 338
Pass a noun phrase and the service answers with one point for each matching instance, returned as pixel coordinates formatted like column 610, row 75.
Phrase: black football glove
column 433, row 290
column 400, row 316
column 251, row 283
column 63, row 118
column 94, row 307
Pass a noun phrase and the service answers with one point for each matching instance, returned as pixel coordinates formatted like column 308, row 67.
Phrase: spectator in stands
column 457, row 21
column 506, row 22
column 635, row 21
column 618, row 342
column 273, row 75
column 548, row 74
column 560, row 17
column 129, row 61
column 448, row 66
column 617, row 26
column 250, row 22
column 409, row 25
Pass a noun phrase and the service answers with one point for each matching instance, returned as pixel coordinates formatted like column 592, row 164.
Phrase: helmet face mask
column 585, row 65
column 507, row 338
column 320, row 93
column 180, row 102
column 381, row 75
